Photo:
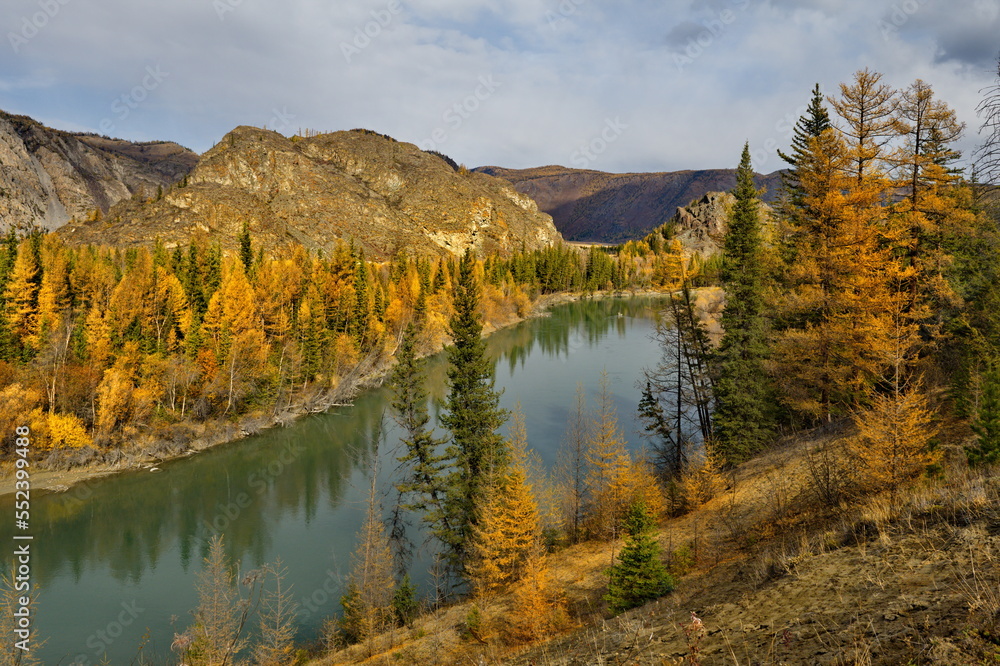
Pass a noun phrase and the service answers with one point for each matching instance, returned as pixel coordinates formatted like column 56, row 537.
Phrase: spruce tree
column 639, row 575
column 986, row 450
column 478, row 452
column 743, row 418
column 246, row 249
column 424, row 476
column 812, row 124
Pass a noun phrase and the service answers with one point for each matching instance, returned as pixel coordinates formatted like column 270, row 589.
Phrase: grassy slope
column 778, row 578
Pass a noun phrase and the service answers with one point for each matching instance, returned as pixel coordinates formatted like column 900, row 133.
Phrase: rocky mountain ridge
column 354, row 186
column 48, row 176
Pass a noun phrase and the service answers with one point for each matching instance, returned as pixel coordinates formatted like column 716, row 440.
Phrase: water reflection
column 294, row 492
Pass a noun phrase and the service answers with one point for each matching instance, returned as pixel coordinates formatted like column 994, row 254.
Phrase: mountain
column 356, row 186
column 702, row 224
column 594, row 206
column 49, row 176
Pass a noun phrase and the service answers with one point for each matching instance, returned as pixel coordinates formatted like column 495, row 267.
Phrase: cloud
column 691, row 79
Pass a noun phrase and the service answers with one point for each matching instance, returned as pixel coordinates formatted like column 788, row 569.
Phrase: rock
column 356, row 186
column 49, row 176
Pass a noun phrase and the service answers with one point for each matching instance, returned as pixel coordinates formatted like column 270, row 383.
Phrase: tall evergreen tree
column 246, row 248
column 479, row 453
column 743, row 418
column 424, row 474
column 812, row 124
column 986, row 450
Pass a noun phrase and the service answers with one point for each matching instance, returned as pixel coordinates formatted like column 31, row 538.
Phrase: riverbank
column 369, row 373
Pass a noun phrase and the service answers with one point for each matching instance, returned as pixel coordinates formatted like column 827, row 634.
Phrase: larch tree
column 370, row 587
column 275, row 645
column 608, row 464
column 571, row 468
column 478, row 453
column 21, row 297
column 868, row 110
column 988, row 154
column 216, row 637
column 743, row 420
column 839, row 331
column 508, row 530
column 931, row 216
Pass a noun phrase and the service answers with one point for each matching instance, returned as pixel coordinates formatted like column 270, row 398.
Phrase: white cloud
column 564, row 68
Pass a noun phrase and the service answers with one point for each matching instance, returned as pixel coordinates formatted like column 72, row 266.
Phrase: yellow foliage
column 702, row 479
column 892, row 444
column 507, row 532
column 537, row 608
column 58, row 431
column 16, row 401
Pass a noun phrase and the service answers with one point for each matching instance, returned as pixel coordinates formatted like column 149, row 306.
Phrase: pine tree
column 986, row 450
column 815, row 121
column 743, row 420
column 246, row 248
column 479, row 453
column 639, row 575
column 425, row 474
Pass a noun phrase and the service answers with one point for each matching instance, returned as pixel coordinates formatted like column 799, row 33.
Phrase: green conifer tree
column 479, row 453
column 424, row 478
column 246, row 248
column 639, row 575
column 743, row 418
column 812, row 124
column 986, row 450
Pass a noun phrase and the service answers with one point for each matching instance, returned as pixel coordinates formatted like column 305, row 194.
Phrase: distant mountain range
column 356, row 186
column 594, row 206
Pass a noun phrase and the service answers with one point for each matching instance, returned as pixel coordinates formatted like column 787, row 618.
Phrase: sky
column 613, row 85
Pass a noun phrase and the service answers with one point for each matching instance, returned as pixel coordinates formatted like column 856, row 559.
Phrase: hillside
column 775, row 576
column 594, row 206
column 49, row 176
column 354, row 186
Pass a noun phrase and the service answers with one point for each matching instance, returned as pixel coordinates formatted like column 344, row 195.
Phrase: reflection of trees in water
column 128, row 522
column 569, row 327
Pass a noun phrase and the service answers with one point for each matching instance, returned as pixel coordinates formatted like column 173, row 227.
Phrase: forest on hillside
column 868, row 304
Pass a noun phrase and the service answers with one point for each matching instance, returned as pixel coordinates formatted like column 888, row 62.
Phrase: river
column 117, row 558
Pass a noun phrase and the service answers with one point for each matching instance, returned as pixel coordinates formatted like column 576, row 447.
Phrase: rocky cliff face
column 48, row 176
column 594, row 206
column 355, row 186
column 701, row 225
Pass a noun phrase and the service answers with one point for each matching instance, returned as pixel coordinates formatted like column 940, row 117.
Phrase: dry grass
column 779, row 575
